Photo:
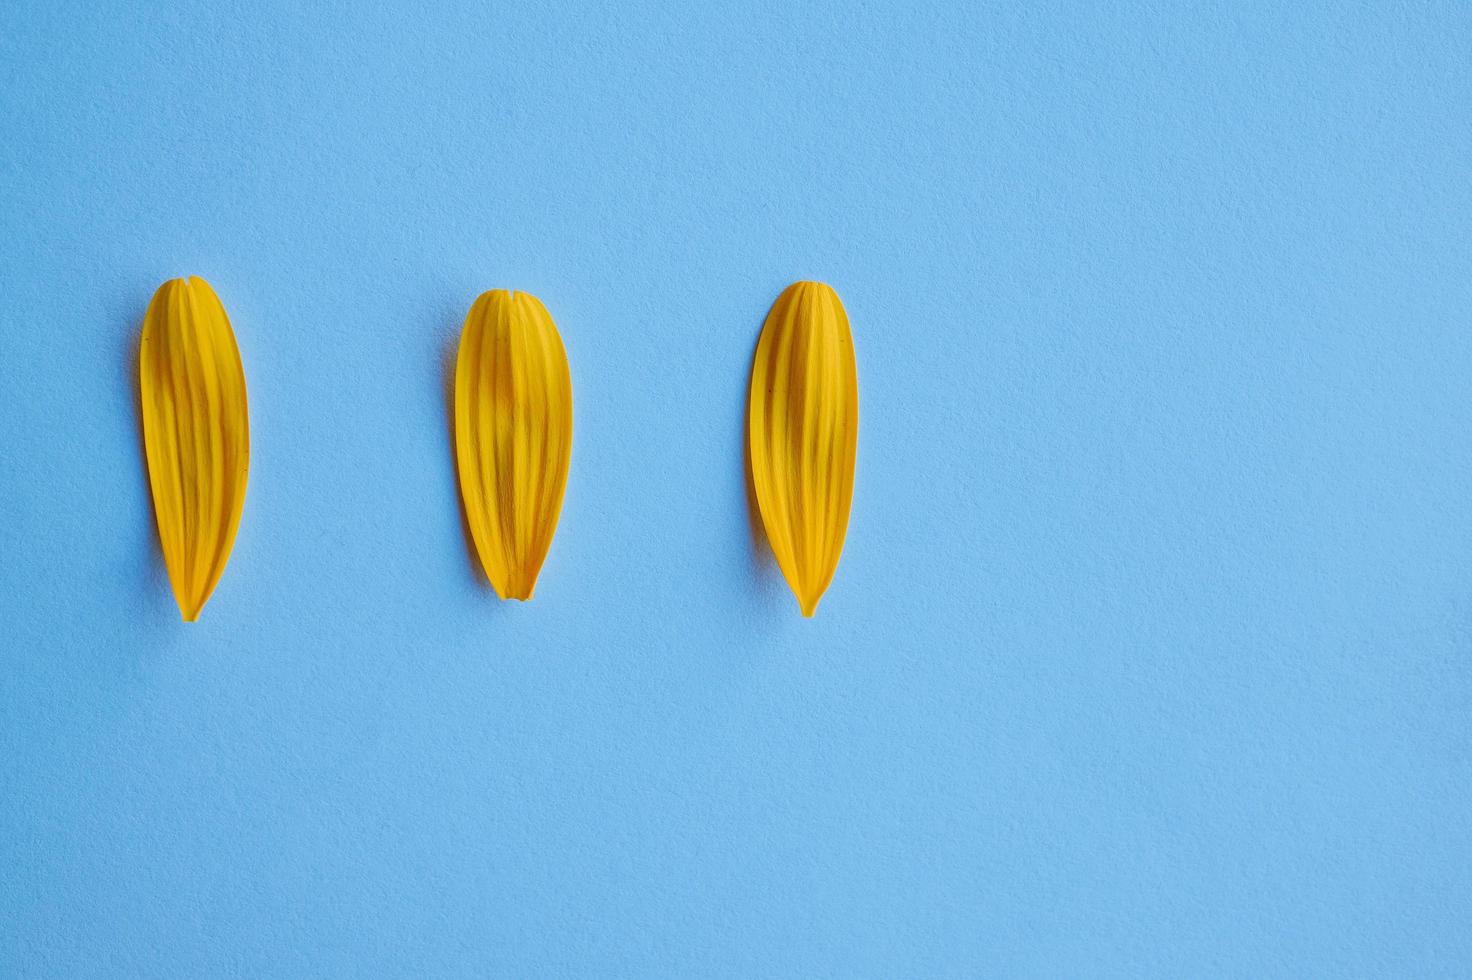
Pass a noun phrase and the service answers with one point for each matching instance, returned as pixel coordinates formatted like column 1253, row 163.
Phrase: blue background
column 1149, row 650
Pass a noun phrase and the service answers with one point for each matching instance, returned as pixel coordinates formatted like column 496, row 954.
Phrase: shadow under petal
column 763, row 562
column 449, row 353
column 158, row 591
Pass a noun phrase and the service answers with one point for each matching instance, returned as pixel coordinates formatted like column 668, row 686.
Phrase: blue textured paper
column 1151, row 648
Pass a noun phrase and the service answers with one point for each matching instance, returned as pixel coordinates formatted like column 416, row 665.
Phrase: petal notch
column 196, row 434
column 803, row 429
column 513, row 435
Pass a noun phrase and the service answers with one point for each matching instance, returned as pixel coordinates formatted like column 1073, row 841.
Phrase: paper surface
column 1148, row 652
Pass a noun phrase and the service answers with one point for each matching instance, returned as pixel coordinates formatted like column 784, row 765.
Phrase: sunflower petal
column 195, row 433
column 513, row 435
column 803, row 427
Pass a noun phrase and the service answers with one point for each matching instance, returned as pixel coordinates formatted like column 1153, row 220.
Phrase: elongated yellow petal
column 804, row 426
column 195, row 433
column 513, row 435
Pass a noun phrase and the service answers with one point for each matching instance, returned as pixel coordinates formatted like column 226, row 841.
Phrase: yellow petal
column 803, row 426
column 195, row 433
column 513, row 435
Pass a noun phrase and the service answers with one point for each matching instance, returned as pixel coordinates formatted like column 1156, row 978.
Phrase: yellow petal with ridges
column 196, row 434
column 513, row 435
column 803, row 426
